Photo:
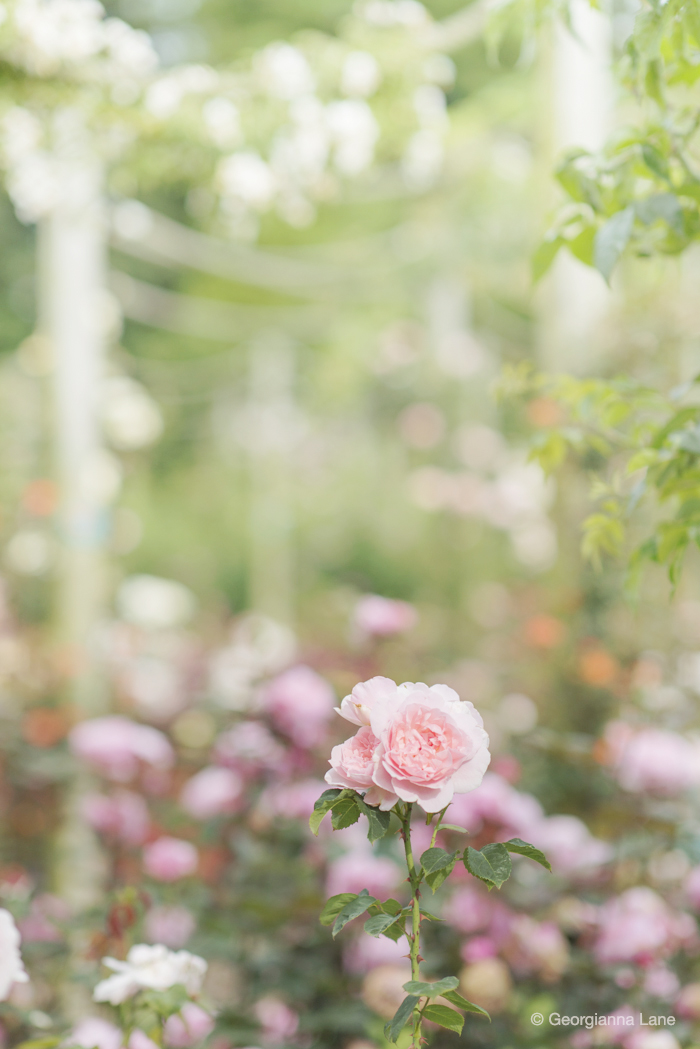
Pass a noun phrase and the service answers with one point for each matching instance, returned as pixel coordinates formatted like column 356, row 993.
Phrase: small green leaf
column 431, row 990
column 379, row 924
column 453, row 826
column 456, row 999
column 611, row 240
column 353, row 909
column 491, row 864
column 378, row 821
column 393, row 1029
column 391, row 907
column 430, row 916
column 523, row 848
column 334, row 906
column 437, row 866
column 321, row 806
column 440, row 1014
column 344, row 812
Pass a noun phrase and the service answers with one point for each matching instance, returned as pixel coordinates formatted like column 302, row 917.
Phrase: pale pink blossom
column 651, row 1038
column 40, row 925
column 122, row 816
column 169, row 859
column 378, row 616
column 188, row 1027
column 170, row 925
column 687, row 1003
column 430, row 746
column 279, row 1022
column 367, row 952
column 95, row 1033
column 478, row 948
column 363, row 870
column 568, row 844
column 661, row 982
column 638, row 926
column 300, row 703
column 537, row 947
column 468, row 909
column 138, row 1039
column 213, row 791
column 248, row 747
column 652, row 760
column 116, row 746
column 358, row 706
column 352, row 762
column 495, row 802
column 292, row 800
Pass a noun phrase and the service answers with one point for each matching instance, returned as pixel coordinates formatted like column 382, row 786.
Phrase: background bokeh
column 305, row 478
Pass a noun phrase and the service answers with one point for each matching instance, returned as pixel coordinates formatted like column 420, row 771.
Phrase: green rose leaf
column 393, row 1029
column 431, row 990
column 345, row 812
column 391, row 907
column 353, row 909
column 378, row 821
column 437, row 865
column 611, row 240
column 525, row 849
column 492, row 864
column 380, row 923
column 323, row 805
column 440, row 1014
column 334, row 906
column 456, row 999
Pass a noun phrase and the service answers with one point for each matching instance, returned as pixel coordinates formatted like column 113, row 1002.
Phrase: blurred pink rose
column 381, row 616
column 292, row 800
column 648, row 1038
column 172, row 926
column 430, row 745
column 212, row 792
column 279, row 1022
column 190, row 1027
column 169, row 859
column 123, row 816
column 691, row 888
column 367, row 952
column 115, row 746
column 495, row 802
column 363, row 870
column 138, row 1039
column 478, row 948
column 40, row 924
column 468, row 909
column 248, row 747
column 661, row 982
column 537, row 947
column 95, row 1033
column 568, row 844
column 652, row 759
column 300, row 703
column 638, row 926
column 687, row 1003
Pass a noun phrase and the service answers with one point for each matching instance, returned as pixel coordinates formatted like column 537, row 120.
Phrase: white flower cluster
column 11, row 967
column 150, row 967
column 46, row 37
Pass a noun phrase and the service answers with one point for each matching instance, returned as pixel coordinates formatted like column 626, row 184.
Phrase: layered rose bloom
column 415, row 744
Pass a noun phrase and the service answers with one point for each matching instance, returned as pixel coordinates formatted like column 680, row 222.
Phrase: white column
column 72, row 290
column 577, row 296
column 273, row 425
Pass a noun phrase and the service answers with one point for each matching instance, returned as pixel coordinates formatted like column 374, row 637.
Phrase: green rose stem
column 415, row 877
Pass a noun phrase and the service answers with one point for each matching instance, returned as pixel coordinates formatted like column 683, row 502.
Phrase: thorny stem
column 414, row 938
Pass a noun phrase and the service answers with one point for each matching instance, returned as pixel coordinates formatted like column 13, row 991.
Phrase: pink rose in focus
column 122, row 816
column 352, row 762
column 378, row 616
column 300, row 703
column 363, row 870
column 95, row 1033
column 189, row 1027
column 278, row 1021
column 116, row 745
column 212, row 792
column 248, row 747
column 358, row 706
column 171, row 926
column 169, row 859
column 430, row 746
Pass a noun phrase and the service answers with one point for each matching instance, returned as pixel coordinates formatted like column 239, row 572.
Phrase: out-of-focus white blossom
column 354, row 131
column 130, row 417
column 249, row 178
column 360, row 74
column 153, row 603
column 284, row 71
column 150, row 968
column 165, row 95
column 11, row 967
column 223, row 121
column 393, row 12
